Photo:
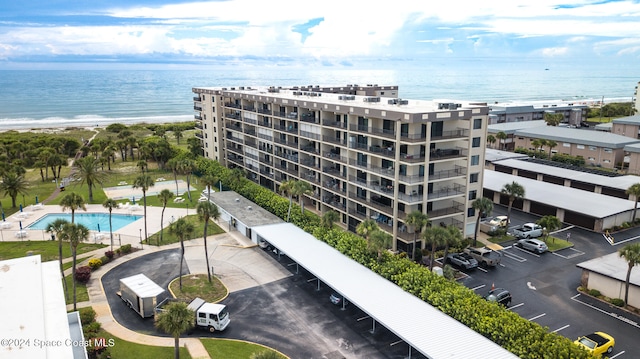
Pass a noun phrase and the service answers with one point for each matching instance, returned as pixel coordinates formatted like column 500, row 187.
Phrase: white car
column 499, row 221
column 534, row 245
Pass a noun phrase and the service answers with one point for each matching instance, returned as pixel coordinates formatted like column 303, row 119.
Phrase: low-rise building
column 607, row 274
column 574, row 113
column 627, row 126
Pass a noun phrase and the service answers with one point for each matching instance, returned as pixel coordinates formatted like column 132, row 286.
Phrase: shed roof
column 239, row 207
column 629, row 120
column 612, row 266
column 572, row 199
column 577, row 135
column 142, row 285
column 428, row 330
column 511, row 127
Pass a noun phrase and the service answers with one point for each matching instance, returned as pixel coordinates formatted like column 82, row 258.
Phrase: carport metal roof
column 419, row 324
column 588, row 203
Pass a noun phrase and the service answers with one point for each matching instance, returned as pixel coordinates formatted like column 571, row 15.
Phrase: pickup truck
column 528, row 230
column 485, row 256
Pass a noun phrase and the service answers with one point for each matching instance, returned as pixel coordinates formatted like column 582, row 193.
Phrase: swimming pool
column 93, row 221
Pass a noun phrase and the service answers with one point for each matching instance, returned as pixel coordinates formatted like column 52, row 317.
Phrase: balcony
column 445, row 135
column 290, row 171
column 313, row 136
column 447, row 153
column 197, row 117
column 250, row 132
column 263, row 123
column 265, row 160
column 285, row 142
column 374, row 202
column 233, row 115
column 288, row 156
column 235, row 150
column 412, row 197
column 236, row 159
column 358, row 214
column 334, row 201
column 383, row 132
column 333, row 139
column 413, row 158
column 413, row 137
column 199, row 135
column 455, row 208
column 411, row 179
column 373, row 185
column 264, row 111
column 266, row 172
column 310, row 149
column 199, row 126
column 336, row 124
column 457, row 171
column 249, row 108
column 196, row 99
column 333, row 172
column 388, row 171
column 289, row 128
column 449, row 191
column 265, row 137
column 309, row 117
column 250, row 142
column 251, row 155
column 252, row 121
column 309, row 162
column 197, row 108
column 375, row 149
column 335, row 157
column 232, row 105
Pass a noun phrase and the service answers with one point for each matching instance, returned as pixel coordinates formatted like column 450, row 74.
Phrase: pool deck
column 129, row 234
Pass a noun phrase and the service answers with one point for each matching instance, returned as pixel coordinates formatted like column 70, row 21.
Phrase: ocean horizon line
column 8, row 124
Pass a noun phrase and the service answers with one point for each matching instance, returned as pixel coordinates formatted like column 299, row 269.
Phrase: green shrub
column 617, row 302
column 90, row 330
column 126, row 248
column 87, row 315
column 594, row 292
column 626, row 225
column 265, row 354
column 95, row 263
column 105, row 260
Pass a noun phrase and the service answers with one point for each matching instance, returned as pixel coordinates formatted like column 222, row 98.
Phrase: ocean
column 65, row 98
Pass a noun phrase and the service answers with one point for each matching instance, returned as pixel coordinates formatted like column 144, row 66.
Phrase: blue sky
column 180, row 33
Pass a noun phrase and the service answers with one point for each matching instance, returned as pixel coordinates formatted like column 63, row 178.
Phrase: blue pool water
column 93, row 221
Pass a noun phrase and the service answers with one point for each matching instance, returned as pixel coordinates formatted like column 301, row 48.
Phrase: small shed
column 140, row 293
column 608, row 275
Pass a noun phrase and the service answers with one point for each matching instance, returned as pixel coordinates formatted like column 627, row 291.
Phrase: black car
column 499, row 295
column 462, row 260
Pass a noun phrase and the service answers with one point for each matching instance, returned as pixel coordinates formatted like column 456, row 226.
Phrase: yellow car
column 597, row 343
column 499, row 221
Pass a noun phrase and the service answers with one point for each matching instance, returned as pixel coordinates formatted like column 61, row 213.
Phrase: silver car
column 534, row 245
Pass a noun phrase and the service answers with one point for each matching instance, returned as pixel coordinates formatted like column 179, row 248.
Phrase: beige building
column 599, row 149
column 365, row 152
column 626, row 126
column 608, row 275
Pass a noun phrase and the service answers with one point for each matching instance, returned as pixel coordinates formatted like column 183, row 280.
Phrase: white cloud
column 554, row 51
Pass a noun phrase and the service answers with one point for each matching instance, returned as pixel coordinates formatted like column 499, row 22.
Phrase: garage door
column 542, row 209
column 579, row 220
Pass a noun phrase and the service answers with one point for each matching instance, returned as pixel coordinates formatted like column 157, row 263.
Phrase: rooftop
column 630, row 120
column 512, row 127
column 578, row 136
column 246, row 211
column 571, row 199
column 612, row 266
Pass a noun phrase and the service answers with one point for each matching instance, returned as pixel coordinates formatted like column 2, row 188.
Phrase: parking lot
column 544, row 287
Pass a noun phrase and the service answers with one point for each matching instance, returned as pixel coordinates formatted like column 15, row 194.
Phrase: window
column 606, row 161
column 608, row 150
column 580, row 147
column 475, row 160
column 471, row 212
column 202, row 315
column 473, row 178
column 592, row 159
column 477, row 123
column 592, row 148
column 566, row 144
column 475, row 142
column 472, row 195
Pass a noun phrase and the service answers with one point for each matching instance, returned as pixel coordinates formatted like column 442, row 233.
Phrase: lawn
column 555, row 243
column 168, row 238
column 227, row 348
column 197, row 285
column 47, row 249
column 124, row 349
column 81, row 291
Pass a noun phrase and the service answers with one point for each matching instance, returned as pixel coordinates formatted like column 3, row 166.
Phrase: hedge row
column 523, row 338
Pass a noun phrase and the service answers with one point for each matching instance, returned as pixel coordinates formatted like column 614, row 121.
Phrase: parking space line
column 537, row 316
column 561, row 328
column 615, row 243
column 526, row 251
column 478, row 287
column 617, row 355
column 515, row 257
column 614, row 315
column 577, row 254
column 515, row 306
column 482, row 269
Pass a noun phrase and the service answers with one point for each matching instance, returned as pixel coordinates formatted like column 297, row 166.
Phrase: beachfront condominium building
column 366, row 153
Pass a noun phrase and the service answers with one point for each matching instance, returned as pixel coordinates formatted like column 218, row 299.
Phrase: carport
column 423, row 327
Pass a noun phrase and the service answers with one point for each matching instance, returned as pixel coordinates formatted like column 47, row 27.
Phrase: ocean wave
column 85, row 121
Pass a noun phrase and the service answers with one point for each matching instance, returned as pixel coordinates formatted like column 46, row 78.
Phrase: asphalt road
column 544, row 287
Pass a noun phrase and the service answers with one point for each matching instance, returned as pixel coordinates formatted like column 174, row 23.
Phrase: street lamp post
column 141, row 245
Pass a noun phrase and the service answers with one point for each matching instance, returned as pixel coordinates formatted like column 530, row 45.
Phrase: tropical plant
column 74, row 234
column 56, row 228
column 418, row 221
column 549, row 224
column 551, row 144
column 265, row 354
column 631, row 254
column 553, row 119
column 514, row 191
column 110, row 204
column 491, row 140
column 143, row 166
column 378, row 241
column 164, row 196
column 176, row 319
column 501, row 136
column 186, row 167
column 453, row 238
column 287, row 189
column 209, row 181
column 73, row 202
column 366, row 228
column 144, row 182
column 182, row 229
column 14, row 184
column 89, row 172
column 178, row 135
column 435, row 236
column 329, row 218
column 634, row 190
column 300, row 189
column 484, row 207
column 207, row 211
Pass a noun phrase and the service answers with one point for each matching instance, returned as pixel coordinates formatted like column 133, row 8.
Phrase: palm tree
column 501, row 136
column 549, row 224
column 378, row 241
column 553, row 119
column 110, row 204
column 491, row 140
column 182, row 229
column 634, row 190
column 176, row 319
column 537, row 143
column 13, row 184
column 514, row 191
column 435, row 236
column 178, row 135
column 366, row 228
column 172, row 165
column 186, row 167
column 287, row 188
column 209, row 181
column 206, row 211
column 74, row 233
column 453, row 238
column 300, row 189
column 89, row 172
column 484, row 207
column 56, row 227
column 165, row 196
column 551, row 144
column 144, row 182
column 417, row 220
column 630, row 253
column 329, row 218
column 73, row 201
column 142, row 165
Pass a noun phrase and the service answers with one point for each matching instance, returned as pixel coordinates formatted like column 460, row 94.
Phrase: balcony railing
column 264, row 111
column 199, row 135
column 412, row 158
column 449, row 191
column 265, row 137
column 388, row 171
column 309, row 117
column 379, row 206
column 455, row 172
column 250, row 132
column 236, row 159
column 412, row 137
column 197, row 98
column 235, row 150
column 250, row 142
column 411, row 179
column 290, row 157
column 333, row 139
column 333, row 172
column 197, row 108
column 310, row 135
column 249, row 108
column 456, row 207
column 251, row 155
column 252, row 121
column 383, row 132
column 290, row 128
column 310, row 149
column 356, row 213
column 331, row 123
column 233, row 115
column 266, row 124
column 457, row 133
column 335, row 157
column 376, row 149
column 447, row 153
column 232, row 104
column 197, row 117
